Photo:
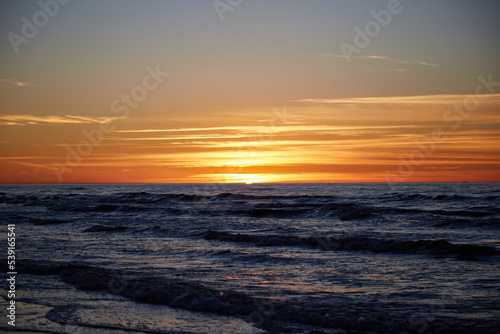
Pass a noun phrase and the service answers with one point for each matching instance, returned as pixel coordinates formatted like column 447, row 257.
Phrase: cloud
column 382, row 58
column 391, row 70
column 36, row 120
column 183, row 129
column 15, row 82
column 418, row 99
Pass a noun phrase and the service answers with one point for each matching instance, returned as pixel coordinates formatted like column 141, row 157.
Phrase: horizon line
column 253, row 183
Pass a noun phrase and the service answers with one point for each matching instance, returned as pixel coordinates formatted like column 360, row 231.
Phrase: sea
column 253, row 258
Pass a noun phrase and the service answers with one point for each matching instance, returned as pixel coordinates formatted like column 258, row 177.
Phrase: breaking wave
column 434, row 247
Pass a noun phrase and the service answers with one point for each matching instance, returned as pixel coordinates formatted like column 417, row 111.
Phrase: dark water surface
column 280, row 258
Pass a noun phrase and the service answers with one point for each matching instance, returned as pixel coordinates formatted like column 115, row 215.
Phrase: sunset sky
column 160, row 91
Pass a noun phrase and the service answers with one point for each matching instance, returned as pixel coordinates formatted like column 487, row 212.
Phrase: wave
column 257, row 205
column 145, row 197
column 343, row 211
column 269, row 207
column 471, row 213
column 152, row 197
column 488, row 223
column 443, row 197
column 348, row 211
column 106, row 208
column 274, row 315
column 410, row 197
column 247, row 196
column 148, row 198
column 105, row 228
column 169, row 291
column 434, row 247
column 134, row 208
column 276, row 213
column 18, row 199
column 492, row 197
column 467, row 213
column 49, row 221
column 438, row 197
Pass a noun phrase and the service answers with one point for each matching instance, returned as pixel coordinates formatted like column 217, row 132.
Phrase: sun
column 247, row 179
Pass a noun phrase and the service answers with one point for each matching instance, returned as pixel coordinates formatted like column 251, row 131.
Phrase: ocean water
column 236, row 258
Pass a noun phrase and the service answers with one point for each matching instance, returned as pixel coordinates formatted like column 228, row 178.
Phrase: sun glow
column 246, row 178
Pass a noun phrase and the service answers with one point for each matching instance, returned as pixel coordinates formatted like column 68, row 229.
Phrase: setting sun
column 246, row 178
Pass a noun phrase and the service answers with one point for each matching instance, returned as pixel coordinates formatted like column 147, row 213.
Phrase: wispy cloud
column 391, row 70
column 419, row 99
column 183, row 129
column 15, row 82
column 36, row 120
column 382, row 58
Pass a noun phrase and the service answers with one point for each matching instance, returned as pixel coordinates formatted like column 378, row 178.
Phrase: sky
column 185, row 91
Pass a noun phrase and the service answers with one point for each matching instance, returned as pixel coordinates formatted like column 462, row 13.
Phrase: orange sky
column 308, row 141
column 118, row 92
